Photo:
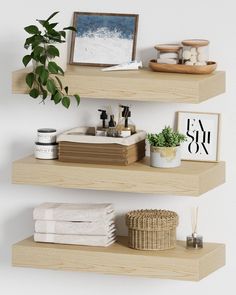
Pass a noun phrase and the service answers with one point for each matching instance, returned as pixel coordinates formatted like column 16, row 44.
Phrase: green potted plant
column 165, row 148
column 44, row 80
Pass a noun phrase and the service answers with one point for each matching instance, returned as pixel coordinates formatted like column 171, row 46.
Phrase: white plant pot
column 165, row 157
column 62, row 59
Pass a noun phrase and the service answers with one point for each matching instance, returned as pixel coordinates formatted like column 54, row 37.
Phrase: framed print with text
column 202, row 132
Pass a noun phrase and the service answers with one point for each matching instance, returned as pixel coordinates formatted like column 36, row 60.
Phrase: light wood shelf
column 191, row 178
column 142, row 85
column 179, row 263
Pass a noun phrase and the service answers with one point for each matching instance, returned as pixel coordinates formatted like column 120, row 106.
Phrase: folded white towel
column 75, row 227
column 73, row 212
column 103, row 241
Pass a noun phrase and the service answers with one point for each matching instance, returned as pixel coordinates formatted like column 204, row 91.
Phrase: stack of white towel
column 78, row 224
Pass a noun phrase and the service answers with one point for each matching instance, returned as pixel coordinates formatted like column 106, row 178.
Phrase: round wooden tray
column 184, row 69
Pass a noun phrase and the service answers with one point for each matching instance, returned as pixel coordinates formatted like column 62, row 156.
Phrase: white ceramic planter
column 165, row 157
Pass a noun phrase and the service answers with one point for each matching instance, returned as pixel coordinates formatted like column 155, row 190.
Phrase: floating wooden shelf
column 142, row 85
column 192, row 178
column 179, row 263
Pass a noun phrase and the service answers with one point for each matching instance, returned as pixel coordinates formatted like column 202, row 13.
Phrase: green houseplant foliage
column 45, row 80
column 166, row 138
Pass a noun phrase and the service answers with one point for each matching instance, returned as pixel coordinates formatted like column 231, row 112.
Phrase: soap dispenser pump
column 125, row 125
column 103, row 117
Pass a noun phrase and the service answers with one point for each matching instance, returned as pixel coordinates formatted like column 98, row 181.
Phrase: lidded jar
column 195, row 52
column 168, row 53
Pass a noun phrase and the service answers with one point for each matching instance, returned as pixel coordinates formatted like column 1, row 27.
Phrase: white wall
column 20, row 116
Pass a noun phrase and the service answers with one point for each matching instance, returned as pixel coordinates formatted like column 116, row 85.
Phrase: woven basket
column 152, row 229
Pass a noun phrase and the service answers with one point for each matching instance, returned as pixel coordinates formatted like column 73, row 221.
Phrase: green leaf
column 66, row 102
column 26, row 59
column 29, row 79
column 53, row 67
column 52, row 51
column 63, row 34
column 57, row 97
column 59, row 82
column 70, row 28
column 33, row 30
column 39, row 70
column 52, row 25
column 52, row 15
column 38, row 50
column 43, row 59
column 44, row 76
column 66, row 89
column 77, row 97
column 51, row 87
column 44, row 94
column 34, row 93
column 60, row 70
column 41, row 21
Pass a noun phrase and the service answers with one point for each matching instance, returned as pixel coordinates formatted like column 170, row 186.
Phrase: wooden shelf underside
column 142, row 85
column 179, row 263
column 191, row 179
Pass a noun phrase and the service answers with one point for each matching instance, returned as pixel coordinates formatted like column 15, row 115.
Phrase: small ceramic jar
column 195, row 52
column 46, row 151
column 46, row 135
column 168, row 53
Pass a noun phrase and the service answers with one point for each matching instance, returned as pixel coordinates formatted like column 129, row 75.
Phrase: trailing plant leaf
column 77, row 97
column 57, row 97
column 60, row 70
column 70, row 28
column 26, row 59
column 66, row 102
column 34, row 93
column 53, row 67
column 52, row 51
column 38, row 50
column 44, row 80
column 30, row 79
column 59, row 82
column 32, row 30
column 51, row 87
column 52, row 15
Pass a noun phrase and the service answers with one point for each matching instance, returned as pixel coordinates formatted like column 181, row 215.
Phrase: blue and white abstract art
column 104, row 39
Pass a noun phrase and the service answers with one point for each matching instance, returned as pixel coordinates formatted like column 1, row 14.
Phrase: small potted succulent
column 165, row 148
column 44, row 45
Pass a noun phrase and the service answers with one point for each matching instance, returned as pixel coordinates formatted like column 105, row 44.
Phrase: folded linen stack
column 78, row 224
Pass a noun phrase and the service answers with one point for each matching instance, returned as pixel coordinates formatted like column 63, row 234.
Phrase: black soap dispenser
column 103, row 117
column 125, row 125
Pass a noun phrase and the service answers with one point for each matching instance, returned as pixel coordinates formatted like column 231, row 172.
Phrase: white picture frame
column 202, row 131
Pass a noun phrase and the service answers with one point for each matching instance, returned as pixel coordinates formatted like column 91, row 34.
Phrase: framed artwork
column 103, row 39
column 202, row 132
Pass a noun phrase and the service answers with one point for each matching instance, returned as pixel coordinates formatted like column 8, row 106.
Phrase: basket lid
column 168, row 47
column 195, row 42
column 151, row 219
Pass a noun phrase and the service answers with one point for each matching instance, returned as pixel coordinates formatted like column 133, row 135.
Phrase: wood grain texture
column 191, row 178
column 179, row 263
column 142, row 85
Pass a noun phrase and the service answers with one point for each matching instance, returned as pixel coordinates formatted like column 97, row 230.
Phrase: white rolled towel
column 82, row 240
column 74, row 228
column 73, row 212
column 169, row 61
column 169, row 55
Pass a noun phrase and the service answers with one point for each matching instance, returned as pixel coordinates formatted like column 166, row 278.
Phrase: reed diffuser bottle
column 194, row 241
